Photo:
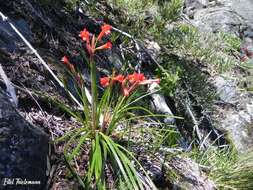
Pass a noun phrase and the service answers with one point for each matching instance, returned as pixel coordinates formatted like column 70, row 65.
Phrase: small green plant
column 99, row 118
column 134, row 7
column 232, row 42
column 170, row 76
column 226, row 168
column 170, row 10
column 209, row 49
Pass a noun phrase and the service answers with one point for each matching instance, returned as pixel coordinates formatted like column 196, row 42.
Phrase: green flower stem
column 93, row 94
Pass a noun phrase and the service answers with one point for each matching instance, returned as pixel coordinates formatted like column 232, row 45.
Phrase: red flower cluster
column 105, row 81
column 128, row 83
column 91, row 40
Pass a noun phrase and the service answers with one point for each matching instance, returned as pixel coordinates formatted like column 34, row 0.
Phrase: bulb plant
column 100, row 118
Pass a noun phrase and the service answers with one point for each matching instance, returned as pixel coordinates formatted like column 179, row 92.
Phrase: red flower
column 106, row 29
column 91, row 43
column 85, row 35
column 129, row 83
column 104, row 81
column 136, row 77
column 65, row 60
column 107, row 45
column 119, row 78
column 135, row 80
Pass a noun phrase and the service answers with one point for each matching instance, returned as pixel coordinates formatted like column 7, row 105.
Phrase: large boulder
column 231, row 16
column 216, row 19
column 24, row 149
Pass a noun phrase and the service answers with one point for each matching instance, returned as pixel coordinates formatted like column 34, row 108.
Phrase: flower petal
column 107, row 45
column 105, row 30
column 119, row 78
column 65, row 59
column 84, row 34
column 104, row 81
column 136, row 77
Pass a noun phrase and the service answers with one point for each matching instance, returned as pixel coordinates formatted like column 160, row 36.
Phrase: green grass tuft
column 228, row 169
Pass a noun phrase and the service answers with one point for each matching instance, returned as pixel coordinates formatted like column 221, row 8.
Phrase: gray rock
column 159, row 104
column 231, row 16
column 238, row 124
column 216, row 19
column 153, row 48
column 176, row 173
column 242, row 8
column 235, row 115
column 24, row 150
column 190, row 175
column 196, row 3
column 225, row 109
column 226, row 90
column 193, row 5
column 233, row 111
column 9, row 40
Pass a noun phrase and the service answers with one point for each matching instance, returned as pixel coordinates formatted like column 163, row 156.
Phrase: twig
column 201, row 146
column 4, row 18
column 195, row 122
column 124, row 33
